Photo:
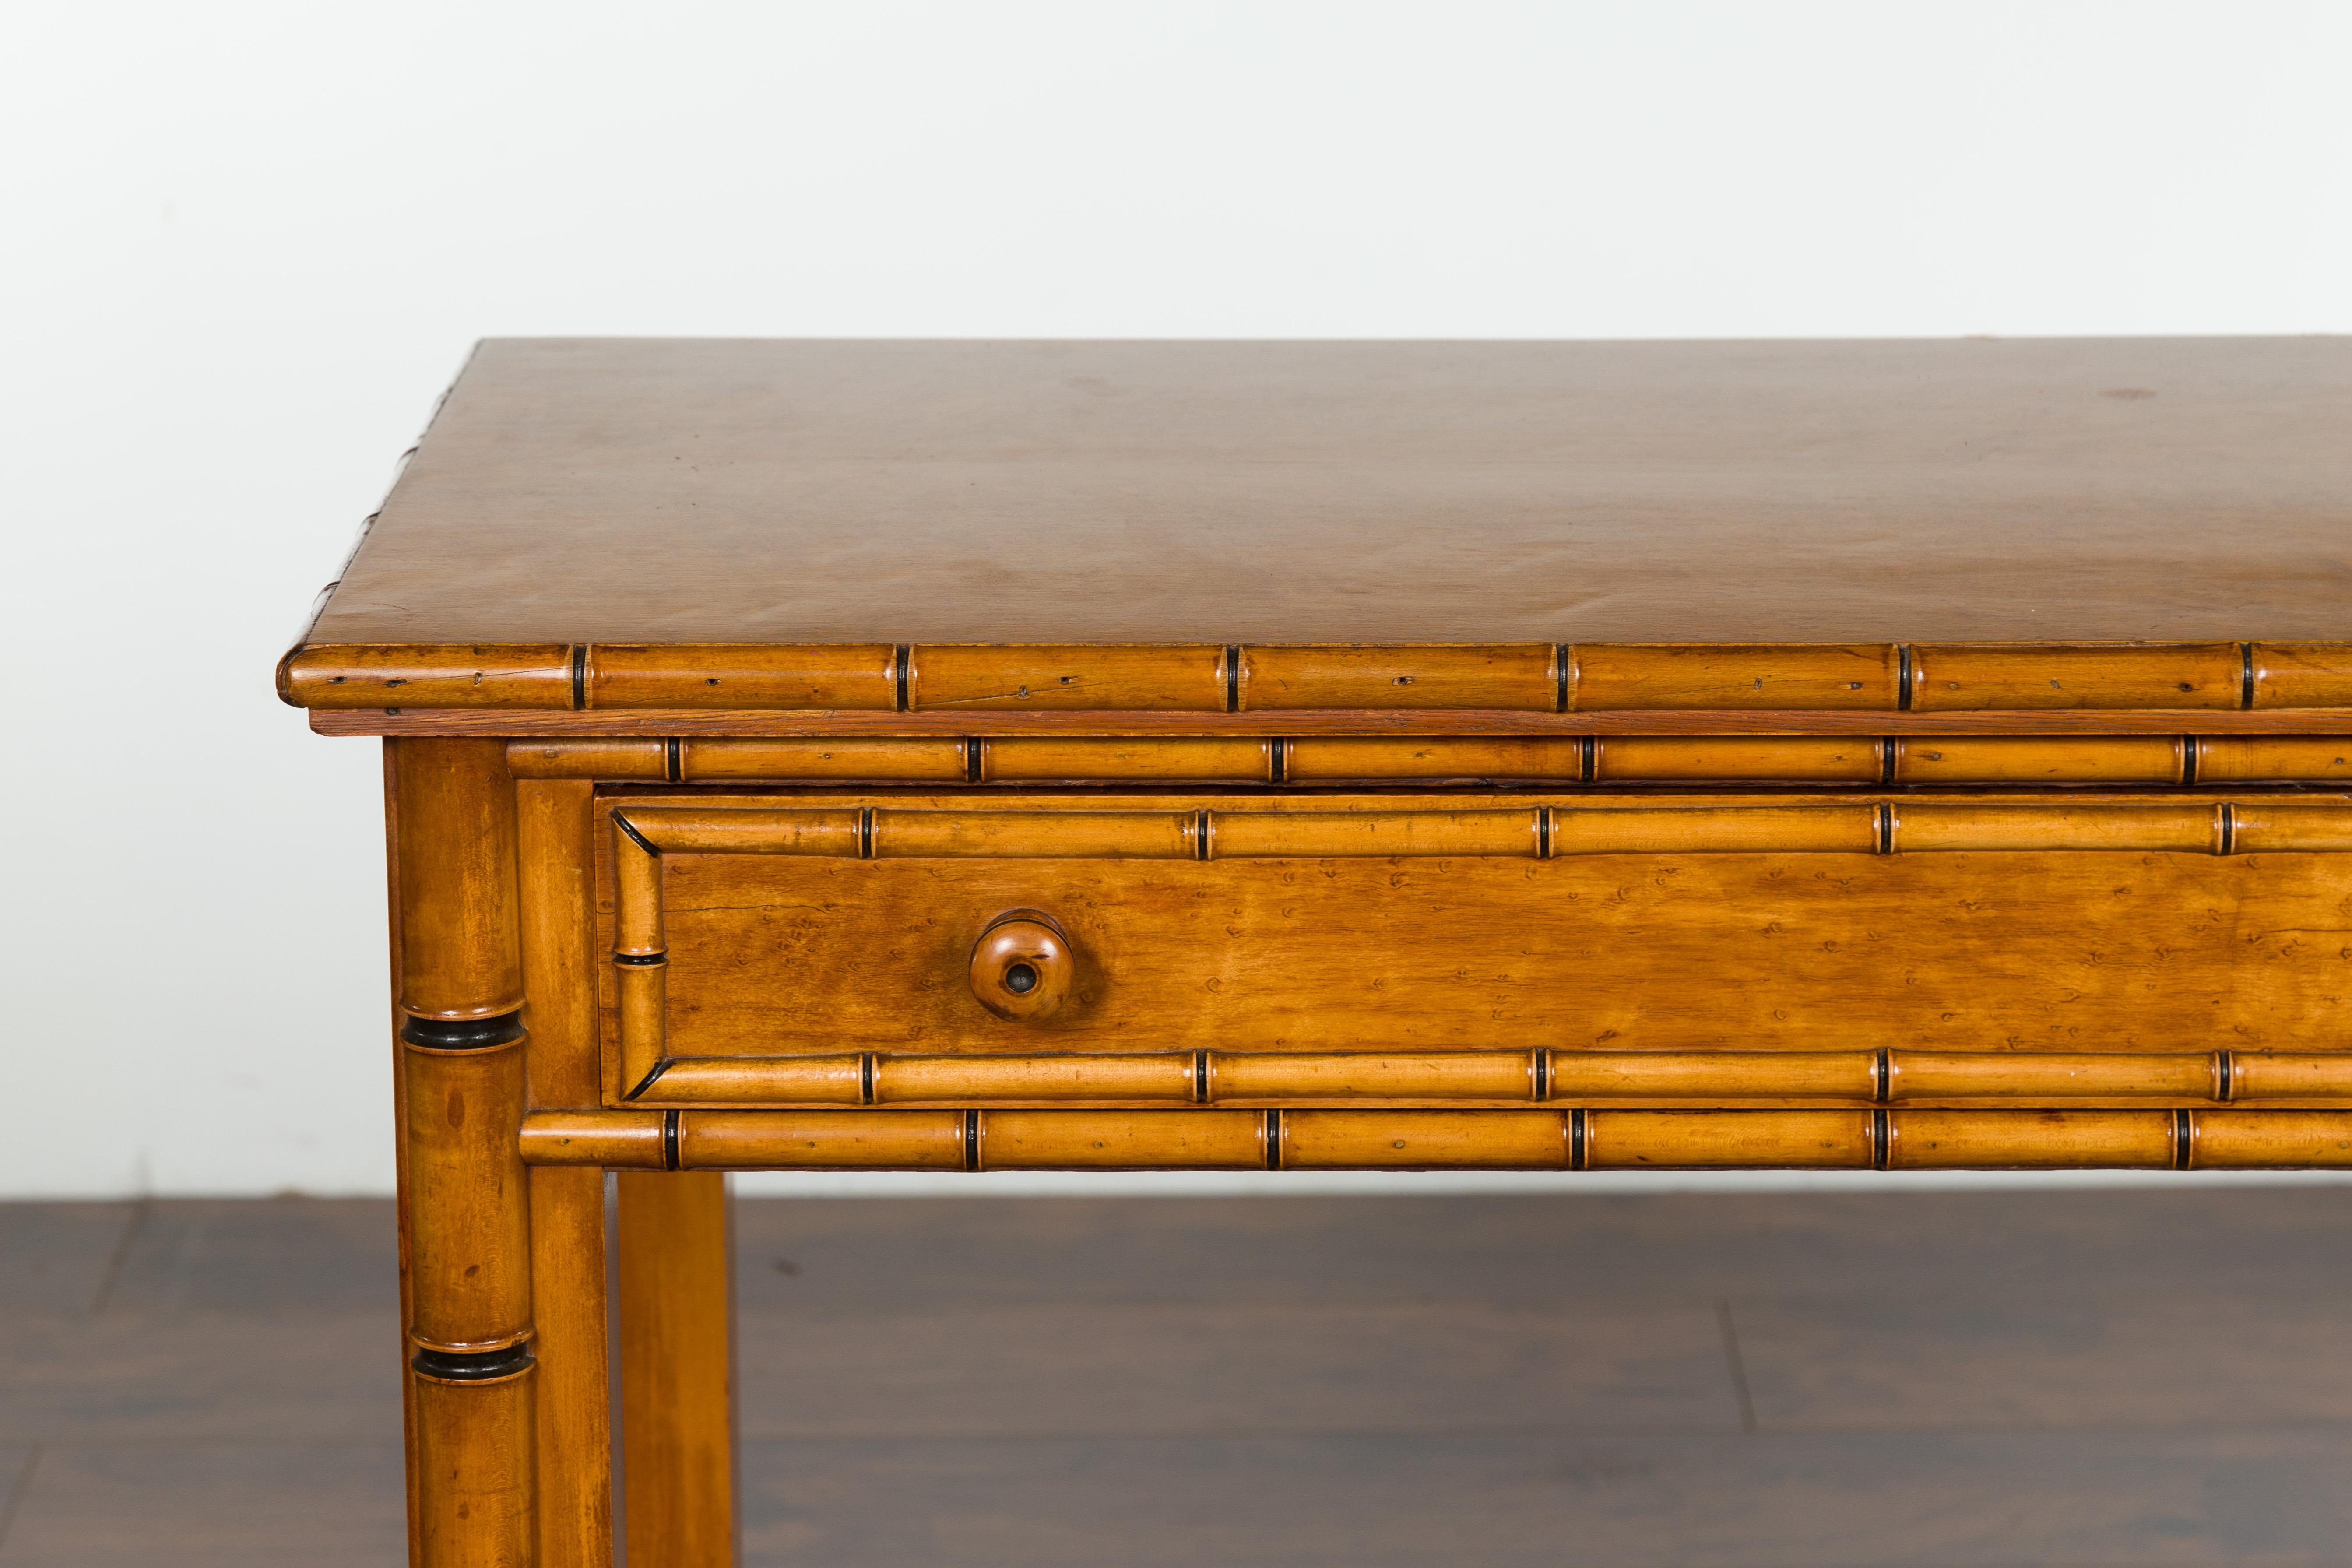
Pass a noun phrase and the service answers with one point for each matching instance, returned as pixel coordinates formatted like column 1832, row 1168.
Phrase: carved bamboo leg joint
column 464, row 1192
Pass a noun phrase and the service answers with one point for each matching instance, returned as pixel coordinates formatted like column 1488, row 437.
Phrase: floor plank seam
column 1782, row 1434
column 212, row 1442
column 15, row 1501
column 1738, row 1367
column 121, row 1257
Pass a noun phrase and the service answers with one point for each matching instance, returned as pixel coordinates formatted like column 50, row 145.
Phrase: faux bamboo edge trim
column 1590, row 762
column 1897, row 1076
column 1270, row 724
column 1568, row 1138
column 1616, row 825
column 1208, row 677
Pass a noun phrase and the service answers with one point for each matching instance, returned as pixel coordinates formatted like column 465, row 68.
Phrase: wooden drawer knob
column 1020, row 965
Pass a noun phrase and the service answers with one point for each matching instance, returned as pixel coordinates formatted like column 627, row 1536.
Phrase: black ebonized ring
column 474, row 1366
column 462, row 1034
column 640, row 960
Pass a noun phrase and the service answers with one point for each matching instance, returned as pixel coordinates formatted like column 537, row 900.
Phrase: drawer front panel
column 819, row 950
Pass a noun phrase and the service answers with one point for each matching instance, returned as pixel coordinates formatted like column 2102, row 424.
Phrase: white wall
column 246, row 244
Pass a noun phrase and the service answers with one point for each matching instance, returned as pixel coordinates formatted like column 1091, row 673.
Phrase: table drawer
column 1485, row 949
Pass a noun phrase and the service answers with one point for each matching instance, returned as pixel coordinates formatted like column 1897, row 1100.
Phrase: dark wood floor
column 1969, row 1380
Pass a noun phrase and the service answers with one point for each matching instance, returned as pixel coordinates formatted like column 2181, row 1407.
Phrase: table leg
column 555, row 820
column 677, row 1369
column 465, row 1235
column 575, row 1434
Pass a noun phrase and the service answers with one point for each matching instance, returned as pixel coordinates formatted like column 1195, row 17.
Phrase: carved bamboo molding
column 1555, row 1140
column 2154, row 760
column 1889, row 1076
column 1541, row 678
column 1537, row 832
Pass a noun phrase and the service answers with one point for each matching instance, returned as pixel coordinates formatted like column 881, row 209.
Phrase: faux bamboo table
column 979, row 756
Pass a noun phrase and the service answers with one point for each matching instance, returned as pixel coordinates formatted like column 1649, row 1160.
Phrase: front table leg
column 464, row 1219
column 678, row 1367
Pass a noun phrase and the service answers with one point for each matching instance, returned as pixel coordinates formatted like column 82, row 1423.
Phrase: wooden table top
column 578, row 491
